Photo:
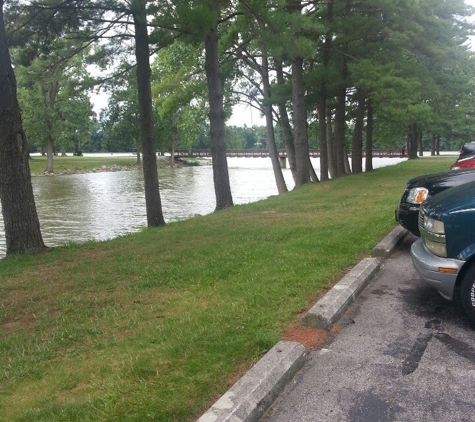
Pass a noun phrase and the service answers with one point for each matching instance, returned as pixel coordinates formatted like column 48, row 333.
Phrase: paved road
column 403, row 354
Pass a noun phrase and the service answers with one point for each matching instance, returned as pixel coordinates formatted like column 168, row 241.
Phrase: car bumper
column 440, row 273
column 408, row 217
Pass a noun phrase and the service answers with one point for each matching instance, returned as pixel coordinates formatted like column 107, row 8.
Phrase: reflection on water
column 105, row 205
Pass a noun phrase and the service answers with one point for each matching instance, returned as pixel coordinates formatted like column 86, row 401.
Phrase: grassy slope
column 152, row 326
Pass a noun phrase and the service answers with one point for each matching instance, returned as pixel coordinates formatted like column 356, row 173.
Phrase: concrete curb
column 254, row 393
column 334, row 304
column 386, row 247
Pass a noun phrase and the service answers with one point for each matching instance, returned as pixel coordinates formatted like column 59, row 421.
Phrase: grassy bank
column 79, row 164
column 155, row 326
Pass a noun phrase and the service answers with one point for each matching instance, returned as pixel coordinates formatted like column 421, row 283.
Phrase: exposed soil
column 310, row 338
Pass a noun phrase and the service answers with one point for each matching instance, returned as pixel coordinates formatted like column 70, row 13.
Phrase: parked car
column 444, row 256
column 420, row 188
column 467, row 162
column 468, row 148
column 466, row 158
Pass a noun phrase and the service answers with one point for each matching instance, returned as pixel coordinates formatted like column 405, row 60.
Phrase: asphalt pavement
column 403, row 353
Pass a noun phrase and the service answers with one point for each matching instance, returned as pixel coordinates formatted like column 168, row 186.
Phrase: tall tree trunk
column 340, row 129
column 274, row 155
column 419, row 143
column 174, row 135
column 322, row 100
column 432, row 144
column 322, row 134
column 49, row 99
column 331, row 145
column 357, row 139
column 22, row 226
column 412, row 142
column 222, row 187
column 147, row 131
column 437, row 145
column 284, row 122
column 369, row 137
column 312, row 173
column 300, row 124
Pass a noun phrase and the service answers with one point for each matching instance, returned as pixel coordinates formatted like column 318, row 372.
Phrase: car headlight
column 439, row 249
column 434, row 226
column 417, row 195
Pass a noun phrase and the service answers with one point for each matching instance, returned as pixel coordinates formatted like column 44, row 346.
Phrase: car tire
column 467, row 292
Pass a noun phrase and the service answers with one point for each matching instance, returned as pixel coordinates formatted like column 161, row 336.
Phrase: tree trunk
column 331, row 146
column 147, row 131
column 300, row 124
column 274, row 155
column 432, row 145
column 369, row 137
column 357, row 140
column 22, row 226
column 174, row 136
column 312, row 173
column 322, row 134
column 412, row 142
column 419, row 143
column 322, row 100
column 49, row 99
column 285, row 123
column 437, row 145
column 222, row 187
column 340, row 129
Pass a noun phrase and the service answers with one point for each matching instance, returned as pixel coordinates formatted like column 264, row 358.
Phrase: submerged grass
column 153, row 326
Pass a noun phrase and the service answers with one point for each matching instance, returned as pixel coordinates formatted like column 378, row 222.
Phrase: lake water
column 105, row 205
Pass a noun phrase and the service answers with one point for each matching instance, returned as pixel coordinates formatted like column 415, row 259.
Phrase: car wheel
column 467, row 292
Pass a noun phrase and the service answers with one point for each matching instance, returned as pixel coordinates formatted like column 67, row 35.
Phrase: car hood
column 460, row 199
column 440, row 181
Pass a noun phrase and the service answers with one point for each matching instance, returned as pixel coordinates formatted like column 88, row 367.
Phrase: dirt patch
column 12, row 325
column 310, row 338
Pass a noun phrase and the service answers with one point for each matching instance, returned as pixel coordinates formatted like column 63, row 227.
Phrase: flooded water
column 105, row 205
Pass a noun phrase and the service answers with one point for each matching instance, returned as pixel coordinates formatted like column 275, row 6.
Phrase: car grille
column 421, row 218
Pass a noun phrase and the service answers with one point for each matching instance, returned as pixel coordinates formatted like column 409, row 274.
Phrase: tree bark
column 222, row 187
column 147, row 131
column 331, row 145
column 22, row 226
column 285, row 123
column 49, row 99
column 322, row 100
column 432, row 145
column 357, row 139
column 274, row 155
column 419, row 143
column 300, row 124
column 412, row 142
column 369, row 137
column 340, row 129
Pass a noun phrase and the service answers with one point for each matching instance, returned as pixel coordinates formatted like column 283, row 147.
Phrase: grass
column 85, row 163
column 154, row 326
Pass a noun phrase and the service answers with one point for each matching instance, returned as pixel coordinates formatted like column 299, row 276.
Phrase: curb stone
column 386, row 247
column 254, row 393
column 333, row 305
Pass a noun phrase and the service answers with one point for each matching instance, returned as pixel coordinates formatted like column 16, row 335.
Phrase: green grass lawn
column 85, row 163
column 154, row 326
